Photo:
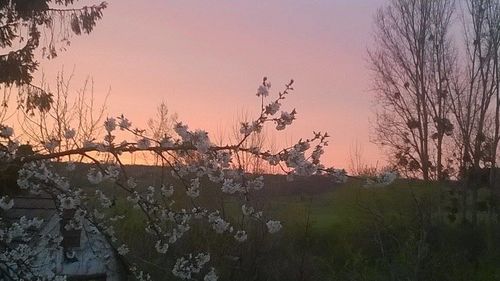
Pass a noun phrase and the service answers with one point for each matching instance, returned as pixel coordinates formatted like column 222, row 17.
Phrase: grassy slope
column 343, row 232
column 400, row 232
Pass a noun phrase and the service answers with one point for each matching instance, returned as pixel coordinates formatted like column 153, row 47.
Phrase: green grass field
column 338, row 232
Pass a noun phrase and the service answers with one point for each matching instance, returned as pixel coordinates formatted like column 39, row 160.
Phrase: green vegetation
column 341, row 232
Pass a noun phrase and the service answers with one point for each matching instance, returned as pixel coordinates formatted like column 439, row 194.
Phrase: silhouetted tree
column 162, row 124
column 411, row 62
column 427, row 92
column 475, row 97
column 27, row 25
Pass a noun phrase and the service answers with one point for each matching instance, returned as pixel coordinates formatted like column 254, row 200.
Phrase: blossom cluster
column 383, row 179
column 186, row 266
column 195, row 164
column 25, row 256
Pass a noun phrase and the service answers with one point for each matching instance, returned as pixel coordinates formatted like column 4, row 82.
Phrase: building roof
column 31, row 206
column 95, row 257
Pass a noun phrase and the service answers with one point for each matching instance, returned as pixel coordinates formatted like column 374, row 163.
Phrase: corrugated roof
column 30, row 206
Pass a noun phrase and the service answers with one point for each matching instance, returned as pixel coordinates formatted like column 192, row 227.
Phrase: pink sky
column 206, row 59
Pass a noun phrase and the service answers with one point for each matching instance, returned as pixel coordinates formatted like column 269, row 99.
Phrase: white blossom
column 6, row 131
column 285, row 119
column 166, row 142
column 316, row 154
column 185, row 267
column 257, row 183
column 272, row 108
column 247, row 211
column 273, row 226
column 263, row 90
column 224, row 158
column 89, row 144
column 131, row 183
column 388, row 177
column 258, row 215
column 51, row 144
column 241, row 236
column 339, row 175
column 383, row 179
column 273, row 160
column 94, row 176
column 70, row 133
column 140, row 275
column 194, row 189
column 113, row 172
column 67, row 202
column 124, row 123
column 123, row 250
column 161, row 247
column 182, row 131
column 110, row 124
column 167, row 191
column 6, row 203
column 229, row 186
column 193, row 158
column 211, row 276
column 220, row 225
column 103, row 199
column 246, row 128
column 201, row 141
column 143, row 143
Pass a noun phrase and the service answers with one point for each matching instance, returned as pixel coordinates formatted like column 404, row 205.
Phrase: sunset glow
column 217, row 53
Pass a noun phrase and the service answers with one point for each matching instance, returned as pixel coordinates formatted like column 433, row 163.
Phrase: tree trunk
column 439, row 160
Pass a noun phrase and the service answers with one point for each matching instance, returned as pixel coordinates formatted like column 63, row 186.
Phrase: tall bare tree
column 411, row 63
column 475, row 94
column 73, row 112
column 494, row 29
column 162, row 124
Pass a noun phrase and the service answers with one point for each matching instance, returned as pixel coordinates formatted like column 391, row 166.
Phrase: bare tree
column 247, row 161
column 475, row 94
column 494, row 24
column 161, row 125
column 411, row 64
column 357, row 164
column 69, row 110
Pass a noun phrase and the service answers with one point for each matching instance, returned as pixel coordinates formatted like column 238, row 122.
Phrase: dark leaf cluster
column 22, row 23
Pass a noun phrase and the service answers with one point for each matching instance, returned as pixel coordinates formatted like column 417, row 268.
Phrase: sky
column 207, row 58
